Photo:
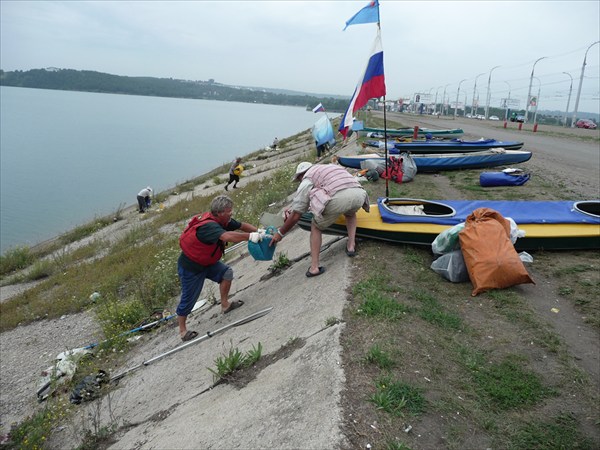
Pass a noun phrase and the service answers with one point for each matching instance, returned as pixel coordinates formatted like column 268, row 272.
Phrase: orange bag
column 490, row 256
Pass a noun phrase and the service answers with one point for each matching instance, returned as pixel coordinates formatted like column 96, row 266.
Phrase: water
column 67, row 157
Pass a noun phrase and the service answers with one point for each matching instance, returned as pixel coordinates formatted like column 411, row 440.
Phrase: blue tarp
column 522, row 212
column 322, row 132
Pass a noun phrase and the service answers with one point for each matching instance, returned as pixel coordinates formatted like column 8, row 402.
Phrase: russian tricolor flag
column 318, row 108
column 370, row 85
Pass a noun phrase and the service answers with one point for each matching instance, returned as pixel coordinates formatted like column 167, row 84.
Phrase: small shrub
column 234, row 360
column 40, row 269
column 15, row 259
column 116, row 316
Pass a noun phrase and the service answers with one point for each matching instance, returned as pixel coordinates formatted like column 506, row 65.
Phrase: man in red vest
column 202, row 246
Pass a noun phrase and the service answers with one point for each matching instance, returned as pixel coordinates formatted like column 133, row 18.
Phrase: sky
column 430, row 47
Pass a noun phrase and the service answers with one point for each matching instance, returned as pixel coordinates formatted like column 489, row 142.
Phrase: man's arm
column 236, row 236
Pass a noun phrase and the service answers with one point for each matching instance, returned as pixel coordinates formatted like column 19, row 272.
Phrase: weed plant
column 235, row 360
column 15, row 259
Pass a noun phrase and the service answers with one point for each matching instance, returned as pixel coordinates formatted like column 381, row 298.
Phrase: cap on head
column 301, row 169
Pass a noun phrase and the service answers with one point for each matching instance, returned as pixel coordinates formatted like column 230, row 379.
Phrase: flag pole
column 387, row 192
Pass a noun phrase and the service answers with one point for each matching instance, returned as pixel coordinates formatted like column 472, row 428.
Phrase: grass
column 398, row 398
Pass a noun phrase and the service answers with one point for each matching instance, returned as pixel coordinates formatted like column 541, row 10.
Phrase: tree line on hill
column 91, row 81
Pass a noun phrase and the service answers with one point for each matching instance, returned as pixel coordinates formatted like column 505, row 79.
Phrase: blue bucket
column 261, row 251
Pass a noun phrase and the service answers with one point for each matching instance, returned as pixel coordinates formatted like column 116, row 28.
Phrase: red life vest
column 199, row 252
column 394, row 170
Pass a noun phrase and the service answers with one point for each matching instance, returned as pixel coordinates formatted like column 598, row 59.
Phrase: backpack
column 401, row 169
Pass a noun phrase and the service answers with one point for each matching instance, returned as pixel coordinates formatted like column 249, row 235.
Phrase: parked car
column 517, row 118
column 586, row 123
column 494, row 118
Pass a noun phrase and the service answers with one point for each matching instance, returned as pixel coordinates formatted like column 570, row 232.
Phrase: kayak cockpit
column 406, row 207
column 589, row 207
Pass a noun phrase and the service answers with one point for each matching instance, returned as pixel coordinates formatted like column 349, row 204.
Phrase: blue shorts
column 193, row 282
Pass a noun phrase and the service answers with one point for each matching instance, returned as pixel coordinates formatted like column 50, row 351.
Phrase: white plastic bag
column 451, row 266
column 447, row 240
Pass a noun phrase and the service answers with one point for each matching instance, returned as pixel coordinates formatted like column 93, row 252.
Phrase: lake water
column 67, row 157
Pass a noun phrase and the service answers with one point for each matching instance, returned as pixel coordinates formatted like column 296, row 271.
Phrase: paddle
column 209, row 334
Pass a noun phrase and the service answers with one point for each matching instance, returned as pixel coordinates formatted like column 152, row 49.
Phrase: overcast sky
column 428, row 46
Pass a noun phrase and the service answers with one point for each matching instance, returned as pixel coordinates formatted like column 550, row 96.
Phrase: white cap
column 302, row 167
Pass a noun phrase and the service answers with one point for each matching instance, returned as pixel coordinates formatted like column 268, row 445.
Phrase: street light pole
column 487, row 101
column 569, row 99
column 457, row 92
column 444, row 96
column 529, row 92
column 473, row 113
column 579, row 88
column 507, row 102
column 435, row 103
column 537, row 101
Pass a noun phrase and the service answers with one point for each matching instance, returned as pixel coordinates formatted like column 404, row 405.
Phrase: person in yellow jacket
column 235, row 171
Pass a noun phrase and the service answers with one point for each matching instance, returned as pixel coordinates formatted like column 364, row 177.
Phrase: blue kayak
column 450, row 161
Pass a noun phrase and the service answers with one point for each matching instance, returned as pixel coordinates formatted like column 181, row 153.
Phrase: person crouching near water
column 144, row 199
column 234, row 173
column 202, row 246
column 329, row 191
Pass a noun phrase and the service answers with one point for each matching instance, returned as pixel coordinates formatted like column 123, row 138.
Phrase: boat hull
column 581, row 233
column 449, row 133
column 452, row 161
column 453, row 146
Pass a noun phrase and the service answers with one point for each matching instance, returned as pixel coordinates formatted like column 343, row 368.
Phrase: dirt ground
column 29, row 349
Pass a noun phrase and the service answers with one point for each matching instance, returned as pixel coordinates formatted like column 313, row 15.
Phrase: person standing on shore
column 275, row 144
column 234, row 173
column 144, row 199
column 202, row 245
column 329, row 191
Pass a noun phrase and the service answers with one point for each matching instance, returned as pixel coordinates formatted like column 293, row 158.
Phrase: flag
column 370, row 85
column 318, row 108
column 369, row 14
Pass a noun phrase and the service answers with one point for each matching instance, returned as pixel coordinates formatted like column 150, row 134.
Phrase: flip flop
column 233, row 305
column 351, row 253
column 310, row 275
column 189, row 336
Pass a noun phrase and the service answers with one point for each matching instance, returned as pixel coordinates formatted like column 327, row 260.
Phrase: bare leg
column 224, row 288
column 316, row 237
column 182, row 327
column 351, row 228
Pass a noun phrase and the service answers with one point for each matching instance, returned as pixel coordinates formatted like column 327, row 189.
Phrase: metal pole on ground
column 209, row 334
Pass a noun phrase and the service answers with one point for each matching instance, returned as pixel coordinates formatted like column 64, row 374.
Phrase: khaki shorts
column 345, row 202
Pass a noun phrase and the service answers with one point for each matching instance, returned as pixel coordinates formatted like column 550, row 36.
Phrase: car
column 480, row 117
column 517, row 118
column 494, row 118
column 585, row 123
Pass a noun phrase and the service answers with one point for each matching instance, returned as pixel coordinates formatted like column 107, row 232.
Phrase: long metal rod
column 209, row 334
column 387, row 193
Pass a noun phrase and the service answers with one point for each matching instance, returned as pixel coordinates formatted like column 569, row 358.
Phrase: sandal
column 189, row 336
column 233, row 305
column 309, row 274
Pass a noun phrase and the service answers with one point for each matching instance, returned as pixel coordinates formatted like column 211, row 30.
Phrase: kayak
column 548, row 225
column 446, row 133
column 450, row 161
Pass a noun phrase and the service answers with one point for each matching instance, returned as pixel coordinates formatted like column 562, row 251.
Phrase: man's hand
column 255, row 237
